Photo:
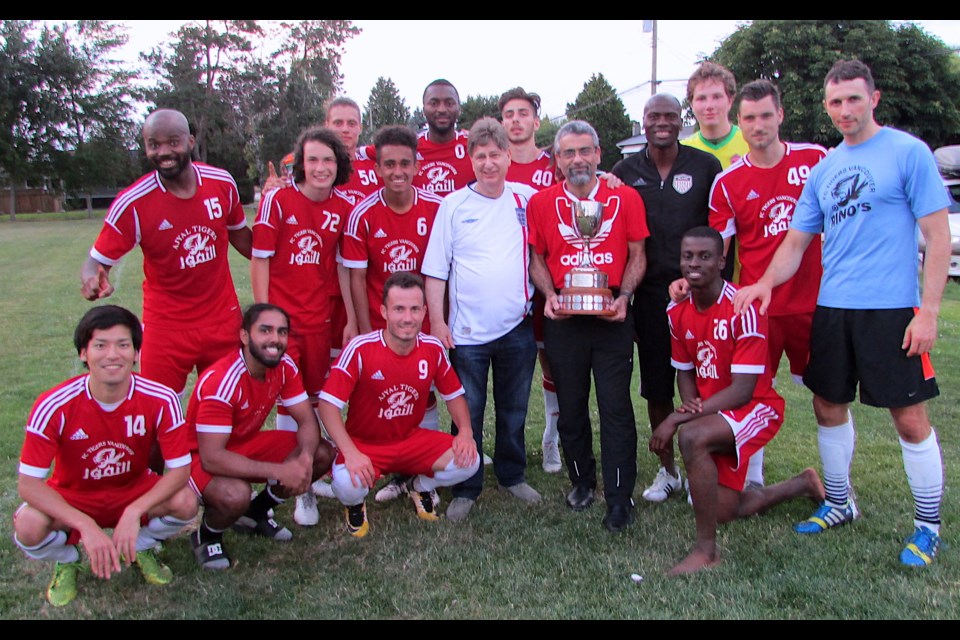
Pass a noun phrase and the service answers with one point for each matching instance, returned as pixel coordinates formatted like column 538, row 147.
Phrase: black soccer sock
column 259, row 506
column 205, row 533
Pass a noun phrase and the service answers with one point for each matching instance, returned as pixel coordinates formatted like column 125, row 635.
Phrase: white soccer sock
column 343, row 487
column 53, row 547
column 157, row 530
column 551, row 411
column 836, row 451
column 431, row 418
column 755, row 468
column 924, row 466
column 451, row 475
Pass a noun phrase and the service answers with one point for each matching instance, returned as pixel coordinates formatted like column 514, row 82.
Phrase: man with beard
column 182, row 215
column 231, row 401
column 674, row 182
column 442, row 149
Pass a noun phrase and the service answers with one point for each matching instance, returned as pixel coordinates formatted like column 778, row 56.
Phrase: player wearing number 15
column 182, row 215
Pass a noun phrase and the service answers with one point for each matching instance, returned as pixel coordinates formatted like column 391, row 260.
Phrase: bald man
column 182, row 215
column 674, row 182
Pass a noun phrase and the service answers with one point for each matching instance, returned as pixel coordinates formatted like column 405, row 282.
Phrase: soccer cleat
column 426, row 507
column 921, row 549
column 664, row 486
column 153, row 571
column 322, row 489
column 305, row 514
column 356, row 517
column 392, row 490
column 267, row 528
column 551, row 457
column 209, row 555
column 827, row 517
column 63, row 586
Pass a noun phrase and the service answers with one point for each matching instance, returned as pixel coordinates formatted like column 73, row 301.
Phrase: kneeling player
column 231, row 401
column 729, row 409
column 385, row 376
column 97, row 431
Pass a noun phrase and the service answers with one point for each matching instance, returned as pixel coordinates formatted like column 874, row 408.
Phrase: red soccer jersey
column 300, row 238
column 537, row 174
column 757, row 205
column 718, row 343
column 388, row 392
column 184, row 242
column 227, row 399
column 552, row 235
column 102, row 450
column 364, row 179
column 383, row 242
column 444, row 168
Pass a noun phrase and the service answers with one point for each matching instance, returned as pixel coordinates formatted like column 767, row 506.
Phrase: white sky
column 552, row 58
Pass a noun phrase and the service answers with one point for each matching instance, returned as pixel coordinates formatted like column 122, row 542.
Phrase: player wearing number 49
column 96, row 431
column 182, row 215
column 729, row 408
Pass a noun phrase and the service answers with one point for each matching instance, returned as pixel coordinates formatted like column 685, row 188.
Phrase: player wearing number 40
column 182, row 215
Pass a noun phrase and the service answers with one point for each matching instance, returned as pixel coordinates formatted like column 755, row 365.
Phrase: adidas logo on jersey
column 753, row 195
column 689, row 336
column 380, row 234
column 377, row 376
column 245, row 405
column 291, row 220
column 165, row 225
column 79, row 434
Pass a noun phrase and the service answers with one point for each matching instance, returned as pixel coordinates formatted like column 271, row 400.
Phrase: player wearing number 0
column 182, row 215
column 870, row 328
column 295, row 242
column 227, row 411
column 729, row 408
column 442, row 148
column 385, row 377
column 96, row 431
column 532, row 166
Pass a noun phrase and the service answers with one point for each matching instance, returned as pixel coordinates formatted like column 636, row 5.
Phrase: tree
column 19, row 103
column 384, row 106
column 599, row 105
column 547, row 131
column 417, row 120
column 474, row 108
column 912, row 70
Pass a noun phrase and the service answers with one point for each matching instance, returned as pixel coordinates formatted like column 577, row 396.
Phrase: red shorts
column 338, row 322
column 106, row 507
column 791, row 335
column 311, row 352
column 265, row 446
column 752, row 433
column 414, row 455
column 168, row 356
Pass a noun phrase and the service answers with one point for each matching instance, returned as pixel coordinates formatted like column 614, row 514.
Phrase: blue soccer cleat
column 921, row 549
column 827, row 517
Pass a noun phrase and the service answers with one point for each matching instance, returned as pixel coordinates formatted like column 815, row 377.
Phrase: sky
column 553, row 58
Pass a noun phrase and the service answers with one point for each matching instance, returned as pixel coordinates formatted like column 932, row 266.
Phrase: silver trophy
column 585, row 290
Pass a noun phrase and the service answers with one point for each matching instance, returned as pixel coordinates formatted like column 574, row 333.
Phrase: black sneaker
column 356, row 517
column 209, row 555
column 267, row 528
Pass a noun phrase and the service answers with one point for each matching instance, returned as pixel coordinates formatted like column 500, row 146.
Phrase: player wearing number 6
column 182, row 215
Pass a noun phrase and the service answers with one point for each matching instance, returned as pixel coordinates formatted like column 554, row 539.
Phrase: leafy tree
column 417, row 120
column 384, row 106
column 547, row 132
column 474, row 108
column 20, row 113
column 599, row 105
column 912, row 69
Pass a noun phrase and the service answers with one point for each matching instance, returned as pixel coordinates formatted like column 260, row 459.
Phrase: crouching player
column 231, row 401
column 385, row 376
column 97, row 431
column 729, row 409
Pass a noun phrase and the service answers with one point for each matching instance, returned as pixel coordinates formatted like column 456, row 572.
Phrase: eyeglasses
column 570, row 154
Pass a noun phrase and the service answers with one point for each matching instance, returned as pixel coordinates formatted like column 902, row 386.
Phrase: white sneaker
column 306, row 514
column 322, row 489
column 392, row 490
column 664, row 485
column 551, row 457
column 487, row 460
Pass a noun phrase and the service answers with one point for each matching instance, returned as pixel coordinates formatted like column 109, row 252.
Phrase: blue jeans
column 513, row 356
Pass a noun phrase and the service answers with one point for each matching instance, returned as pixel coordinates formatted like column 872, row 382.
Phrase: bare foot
column 815, row 490
column 697, row 561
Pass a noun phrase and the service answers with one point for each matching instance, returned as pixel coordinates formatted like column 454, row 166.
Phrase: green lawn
column 508, row 560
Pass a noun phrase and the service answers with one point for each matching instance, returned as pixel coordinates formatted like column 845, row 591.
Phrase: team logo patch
column 682, row 182
column 522, row 216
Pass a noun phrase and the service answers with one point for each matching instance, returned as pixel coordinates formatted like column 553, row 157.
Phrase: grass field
column 508, row 560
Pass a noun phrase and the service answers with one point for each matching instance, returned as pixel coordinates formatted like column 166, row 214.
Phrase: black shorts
column 653, row 344
column 851, row 346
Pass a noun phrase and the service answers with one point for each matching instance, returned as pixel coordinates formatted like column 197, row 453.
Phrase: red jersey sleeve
column 266, row 226
column 679, row 357
column 750, row 351
column 721, row 213
column 292, row 391
column 353, row 242
column 342, row 379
